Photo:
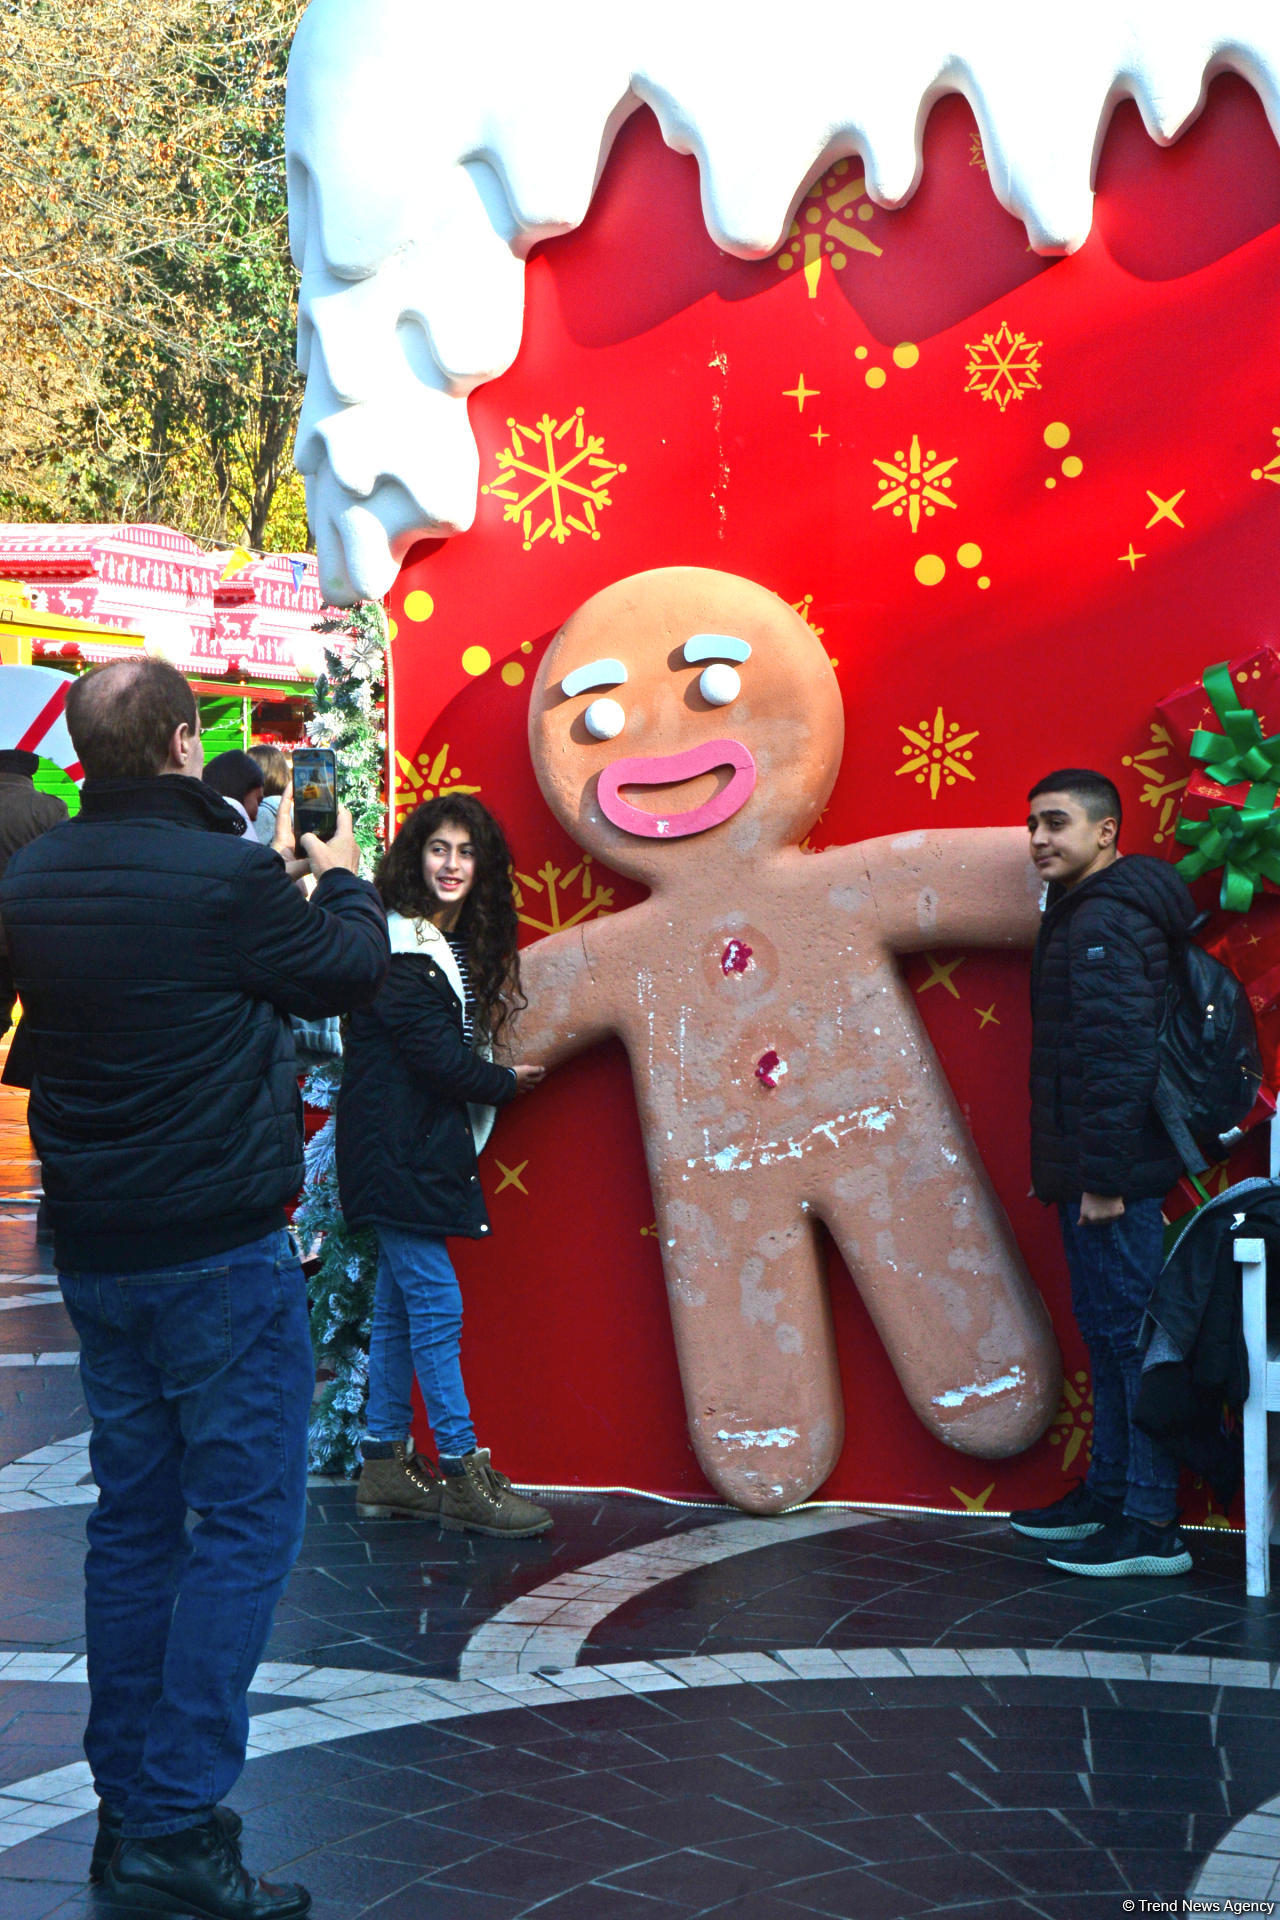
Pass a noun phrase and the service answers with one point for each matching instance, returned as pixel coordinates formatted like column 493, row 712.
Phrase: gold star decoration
column 987, row 1016
column 1158, row 791
column 1164, row 509
column 819, row 434
column 937, row 751
column 511, row 1177
column 940, row 974
column 974, row 1502
column 558, row 906
column 1131, row 558
column 913, row 483
column 800, row 393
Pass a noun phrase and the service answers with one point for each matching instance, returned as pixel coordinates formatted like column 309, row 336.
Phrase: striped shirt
column 458, row 947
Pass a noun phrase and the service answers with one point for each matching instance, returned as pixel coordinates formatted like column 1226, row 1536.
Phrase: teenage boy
column 1098, row 1150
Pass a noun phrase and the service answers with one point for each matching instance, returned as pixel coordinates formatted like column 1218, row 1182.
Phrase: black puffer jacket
column 405, row 1151
column 1097, row 995
column 157, row 953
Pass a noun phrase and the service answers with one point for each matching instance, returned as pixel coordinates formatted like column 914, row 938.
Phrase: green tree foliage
column 341, row 1287
column 146, row 294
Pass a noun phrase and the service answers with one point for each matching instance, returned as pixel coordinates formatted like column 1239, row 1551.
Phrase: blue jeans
column 199, row 1380
column 417, row 1328
column 1113, row 1267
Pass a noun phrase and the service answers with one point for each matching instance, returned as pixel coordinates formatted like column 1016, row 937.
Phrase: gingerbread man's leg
column 927, row 1242
column 753, row 1332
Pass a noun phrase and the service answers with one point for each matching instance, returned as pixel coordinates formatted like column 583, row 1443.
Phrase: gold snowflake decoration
column 1074, row 1418
column 534, row 478
column 425, row 778
column 1272, row 469
column 938, row 752
column 1003, row 365
column 822, row 230
column 559, row 891
column 1158, row 792
column 977, row 158
column 914, row 483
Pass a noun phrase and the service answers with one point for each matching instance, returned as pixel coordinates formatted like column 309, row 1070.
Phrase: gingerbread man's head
column 685, row 707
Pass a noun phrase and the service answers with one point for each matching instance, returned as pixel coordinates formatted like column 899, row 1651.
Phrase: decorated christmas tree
column 347, row 718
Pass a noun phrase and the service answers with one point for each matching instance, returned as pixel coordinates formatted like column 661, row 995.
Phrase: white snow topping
column 429, row 149
column 981, row 1390
column 768, row 1437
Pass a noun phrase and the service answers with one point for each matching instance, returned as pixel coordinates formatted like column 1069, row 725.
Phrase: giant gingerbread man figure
column 686, row 727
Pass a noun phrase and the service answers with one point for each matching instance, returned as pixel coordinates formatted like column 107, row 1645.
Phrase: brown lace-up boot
column 480, row 1500
column 397, row 1484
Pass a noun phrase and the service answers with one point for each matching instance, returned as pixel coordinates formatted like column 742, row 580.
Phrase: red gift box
column 1256, row 678
column 1202, row 793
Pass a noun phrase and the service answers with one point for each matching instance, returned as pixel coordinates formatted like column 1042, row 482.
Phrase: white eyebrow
column 596, row 673
column 715, row 646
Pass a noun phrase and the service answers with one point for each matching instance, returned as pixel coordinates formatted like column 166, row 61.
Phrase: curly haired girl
column 416, row 1105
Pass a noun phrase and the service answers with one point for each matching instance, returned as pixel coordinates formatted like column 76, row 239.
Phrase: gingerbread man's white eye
column 604, row 719
column 719, row 684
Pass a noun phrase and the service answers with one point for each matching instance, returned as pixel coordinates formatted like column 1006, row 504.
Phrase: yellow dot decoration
column 1051, row 482
column 476, row 660
column 866, row 213
column 392, row 628
column 526, row 646
column 930, row 568
column 970, row 554
column 875, row 376
column 418, row 605
column 513, row 673
column 1073, row 466
column 839, row 261
column 906, row 355
column 984, row 581
column 859, row 353
column 1057, row 433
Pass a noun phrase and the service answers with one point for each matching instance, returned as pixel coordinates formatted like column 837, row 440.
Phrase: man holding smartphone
column 158, row 953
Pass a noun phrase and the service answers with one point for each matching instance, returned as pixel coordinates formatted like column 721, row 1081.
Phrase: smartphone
column 315, row 792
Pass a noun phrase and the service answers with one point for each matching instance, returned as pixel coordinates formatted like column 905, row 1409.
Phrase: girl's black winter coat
column 405, row 1152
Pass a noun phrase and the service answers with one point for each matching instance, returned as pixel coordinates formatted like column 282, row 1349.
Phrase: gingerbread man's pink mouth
column 667, row 770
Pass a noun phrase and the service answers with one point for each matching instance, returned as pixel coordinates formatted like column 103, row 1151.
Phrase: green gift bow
column 1243, row 841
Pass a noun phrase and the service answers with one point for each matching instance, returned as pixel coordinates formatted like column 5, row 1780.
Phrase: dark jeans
column 199, row 1380
column 417, row 1328
column 1113, row 1268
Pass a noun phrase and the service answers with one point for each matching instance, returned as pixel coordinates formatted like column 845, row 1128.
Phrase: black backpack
column 1210, row 1067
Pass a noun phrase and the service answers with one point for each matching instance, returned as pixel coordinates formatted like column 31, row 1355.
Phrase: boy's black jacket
column 1097, row 998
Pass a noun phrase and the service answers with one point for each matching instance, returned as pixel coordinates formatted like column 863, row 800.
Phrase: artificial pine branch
column 347, row 698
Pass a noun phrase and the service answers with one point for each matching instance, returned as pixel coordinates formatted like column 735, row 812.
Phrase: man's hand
column 527, row 1076
column 1097, row 1208
column 341, row 851
column 282, row 838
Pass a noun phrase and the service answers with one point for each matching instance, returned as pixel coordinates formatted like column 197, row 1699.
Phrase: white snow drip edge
column 345, row 1703
column 426, row 158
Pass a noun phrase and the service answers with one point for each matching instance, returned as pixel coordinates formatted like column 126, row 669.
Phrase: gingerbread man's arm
column 569, row 1009
column 952, row 887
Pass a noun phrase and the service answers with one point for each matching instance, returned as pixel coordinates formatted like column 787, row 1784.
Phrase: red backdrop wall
column 1018, row 499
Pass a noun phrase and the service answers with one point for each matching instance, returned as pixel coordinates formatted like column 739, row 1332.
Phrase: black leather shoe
column 109, row 1836
column 195, row 1874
